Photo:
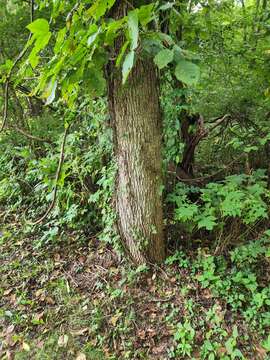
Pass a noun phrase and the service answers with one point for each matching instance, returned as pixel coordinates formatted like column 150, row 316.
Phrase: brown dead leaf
column 81, row 356
column 62, row 341
column 151, row 332
column 221, row 351
column 7, row 292
column 13, row 298
column 261, row 352
column 49, row 300
column 8, row 355
column 9, row 329
column 82, row 259
column 141, row 334
column 25, row 347
column 115, row 318
column 57, row 257
column 39, row 316
column 157, row 350
column 39, row 292
column 39, row 344
column 79, row 332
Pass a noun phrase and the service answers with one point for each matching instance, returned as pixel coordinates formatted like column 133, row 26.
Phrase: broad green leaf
column 40, row 43
column 39, row 27
column 92, row 38
column 166, row 6
column 133, row 28
column 95, row 82
column 121, row 53
column 52, row 89
column 187, row 72
column 145, row 14
column 99, row 8
column 112, row 30
column 59, row 40
column 163, row 58
column 266, row 344
column 127, row 65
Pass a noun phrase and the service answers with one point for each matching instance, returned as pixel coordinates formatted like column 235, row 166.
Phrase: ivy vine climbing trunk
column 136, row 117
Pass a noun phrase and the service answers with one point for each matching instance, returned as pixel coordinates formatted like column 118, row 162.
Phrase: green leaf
column 187, row 72
column 266, row 344
column 121, row 53
column 39, row 27
column 163, row 58
column 40, row 43
column 59, row 40
column 99, row 8
column 146, row 14
column 95, row 81
column 127, row 65
column 207, row 222
column 133, row 28
column 52, row 89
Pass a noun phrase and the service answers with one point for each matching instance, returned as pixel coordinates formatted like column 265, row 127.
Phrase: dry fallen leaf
column 38, row 316
column 7, row 292
column 81, row 356
column 49, row 300
column 79, row 332
column 39, row 292
column 40, row 344
column 115, row 318
column 9, row 329
column 25, row 347
column 159, row 349
column 63, row 340
column 261, row 352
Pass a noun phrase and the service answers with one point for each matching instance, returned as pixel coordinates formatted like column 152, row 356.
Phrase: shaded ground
column 76, row 299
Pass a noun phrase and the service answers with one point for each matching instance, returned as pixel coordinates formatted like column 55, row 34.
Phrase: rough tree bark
column 136, row 117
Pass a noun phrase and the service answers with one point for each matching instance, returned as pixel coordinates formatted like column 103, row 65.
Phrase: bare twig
column 219, row 121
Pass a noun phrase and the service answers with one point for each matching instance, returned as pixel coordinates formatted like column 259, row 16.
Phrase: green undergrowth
column 79, row 300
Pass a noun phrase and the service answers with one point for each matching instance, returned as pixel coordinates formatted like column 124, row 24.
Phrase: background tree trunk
column 136, row 117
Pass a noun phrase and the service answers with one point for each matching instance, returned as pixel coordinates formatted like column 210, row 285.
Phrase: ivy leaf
column 163, row 58
column 187, row 72
column 133, row 28
column 127, row 65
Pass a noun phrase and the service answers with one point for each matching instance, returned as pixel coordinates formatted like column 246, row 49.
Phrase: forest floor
column 76, row 299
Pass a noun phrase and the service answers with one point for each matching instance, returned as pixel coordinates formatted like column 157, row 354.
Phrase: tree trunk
column 136, row 117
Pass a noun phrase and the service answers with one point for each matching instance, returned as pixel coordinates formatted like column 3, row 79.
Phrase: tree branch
column 57, row 176
column 30, row 136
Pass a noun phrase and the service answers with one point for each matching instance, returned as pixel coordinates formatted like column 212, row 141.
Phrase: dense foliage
column 58, row 171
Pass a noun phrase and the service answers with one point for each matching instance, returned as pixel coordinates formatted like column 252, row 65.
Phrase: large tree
column 118, row 46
